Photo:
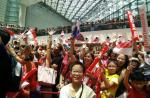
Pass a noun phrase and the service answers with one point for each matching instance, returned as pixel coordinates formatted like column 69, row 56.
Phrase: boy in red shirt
column 135, row 83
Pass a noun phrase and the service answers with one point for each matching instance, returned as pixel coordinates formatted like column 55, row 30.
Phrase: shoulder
column 115, row 76
column 88, row 91
column 64, row 92
column 66, row 87
column 86, row 87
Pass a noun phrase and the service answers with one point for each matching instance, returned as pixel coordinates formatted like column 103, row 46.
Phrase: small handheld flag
column 76, row 32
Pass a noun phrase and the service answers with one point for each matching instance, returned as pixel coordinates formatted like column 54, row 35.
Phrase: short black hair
column 137, row 75
column 114, row 61
column 78, row 63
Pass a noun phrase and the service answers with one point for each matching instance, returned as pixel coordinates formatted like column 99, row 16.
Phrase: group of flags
column 29, row 36
column 125, row 47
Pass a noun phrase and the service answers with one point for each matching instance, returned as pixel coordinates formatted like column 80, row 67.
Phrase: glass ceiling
column 85, row 10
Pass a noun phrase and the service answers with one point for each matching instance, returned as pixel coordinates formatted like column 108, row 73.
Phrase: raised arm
column 72, row 45
column 126, row 78
column 62, row 46
column 48, row 51
column 13, row 53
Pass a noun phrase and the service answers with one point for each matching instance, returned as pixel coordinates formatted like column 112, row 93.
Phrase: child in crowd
column 135, row 83
column 110, row 81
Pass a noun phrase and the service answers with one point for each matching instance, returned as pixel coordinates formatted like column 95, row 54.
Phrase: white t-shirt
column 87, row 92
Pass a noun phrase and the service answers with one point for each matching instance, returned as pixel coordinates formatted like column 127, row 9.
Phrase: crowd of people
column 77, row 72
column 87, row 26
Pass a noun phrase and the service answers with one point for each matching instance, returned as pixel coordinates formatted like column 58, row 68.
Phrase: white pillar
column 22, row 15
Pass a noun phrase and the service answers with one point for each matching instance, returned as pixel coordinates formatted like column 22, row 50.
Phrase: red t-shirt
column 136, row 94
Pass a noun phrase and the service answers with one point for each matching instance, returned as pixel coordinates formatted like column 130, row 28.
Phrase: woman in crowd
column 122, row 61
column 76, row 89
column 5, row 63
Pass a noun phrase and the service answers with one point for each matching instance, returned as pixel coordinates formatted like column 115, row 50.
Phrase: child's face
column 112, row 68
column 138, row 85
column 134, row 64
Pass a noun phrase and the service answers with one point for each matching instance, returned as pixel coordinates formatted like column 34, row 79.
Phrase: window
column 133, row 5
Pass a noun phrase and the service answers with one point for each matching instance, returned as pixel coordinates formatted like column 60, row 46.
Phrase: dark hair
column 56, row 60
column 28, row 58
column 125, row 65
column 126, row 61
column 114, row 61
column 137, row 75
column 138, row 62
column 5, row 36
column 78, row 63
column 37, row 55
column 90, row 54
column 109, row 52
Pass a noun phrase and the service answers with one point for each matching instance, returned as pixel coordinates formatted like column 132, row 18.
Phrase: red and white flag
column 31, row 36
column 124, row 48
column 92, row 68
column 135, row 36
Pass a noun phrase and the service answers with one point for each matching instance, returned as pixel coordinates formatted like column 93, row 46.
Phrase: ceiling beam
column 68, row 7
column 79, row 9
column 87, row 7
column 91, row 8
column 74, row 7
column 57, row 4
column 62, row 6
column 51, row 9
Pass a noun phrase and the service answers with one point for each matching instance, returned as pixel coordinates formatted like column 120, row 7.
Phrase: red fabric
column 9, row 31
column 29, row 74
column 65, row 64
column 132, row 27
column 136, row 94
column 104, row 50
column 31, row 77
column 11, row 94
column 125, row 45
column 96, row 60
column 98, row 90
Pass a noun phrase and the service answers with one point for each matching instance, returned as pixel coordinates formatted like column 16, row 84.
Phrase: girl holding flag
column 110, row 81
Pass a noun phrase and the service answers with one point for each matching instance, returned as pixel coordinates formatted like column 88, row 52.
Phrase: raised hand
column 51, row 32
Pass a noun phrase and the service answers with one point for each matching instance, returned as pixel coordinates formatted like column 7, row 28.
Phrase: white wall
column 101, row 34
column 41, row 17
